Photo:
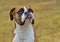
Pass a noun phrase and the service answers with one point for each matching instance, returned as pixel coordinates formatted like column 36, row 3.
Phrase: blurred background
column 47, row 19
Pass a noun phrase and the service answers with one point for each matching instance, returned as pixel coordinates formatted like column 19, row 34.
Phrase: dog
column 23, row 17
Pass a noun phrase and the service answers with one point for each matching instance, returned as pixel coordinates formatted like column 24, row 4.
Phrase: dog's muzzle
column 28, row 16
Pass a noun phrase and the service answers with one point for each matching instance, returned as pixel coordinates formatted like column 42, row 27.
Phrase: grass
column 47, row 19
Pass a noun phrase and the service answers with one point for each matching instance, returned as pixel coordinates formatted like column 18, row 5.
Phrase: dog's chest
column 24, row 33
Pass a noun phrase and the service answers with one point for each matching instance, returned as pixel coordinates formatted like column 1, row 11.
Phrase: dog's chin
column 21, row 23
column 28, row 21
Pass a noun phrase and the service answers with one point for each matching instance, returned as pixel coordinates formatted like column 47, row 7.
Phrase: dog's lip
column 28, row 18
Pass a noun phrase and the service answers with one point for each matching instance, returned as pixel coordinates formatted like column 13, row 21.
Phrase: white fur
column 25, row 10
column 32, row 15
column 23, row 16
column 24, row 33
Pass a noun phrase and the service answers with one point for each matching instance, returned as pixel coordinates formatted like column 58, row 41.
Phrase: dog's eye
column 30, row 10
column 21, row 11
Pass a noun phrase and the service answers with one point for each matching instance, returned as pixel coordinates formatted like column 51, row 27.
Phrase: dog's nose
column 29, row 16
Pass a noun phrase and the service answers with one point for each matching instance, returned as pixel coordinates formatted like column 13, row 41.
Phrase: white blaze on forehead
column 23, row 16
column 25, row 10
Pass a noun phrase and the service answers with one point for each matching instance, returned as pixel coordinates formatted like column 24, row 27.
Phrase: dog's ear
column 11, row 13
column 33, row 21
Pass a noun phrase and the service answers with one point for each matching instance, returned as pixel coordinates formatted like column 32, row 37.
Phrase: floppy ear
column 11, row 13
column 33, row 21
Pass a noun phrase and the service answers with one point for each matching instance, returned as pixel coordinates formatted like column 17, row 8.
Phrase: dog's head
column 22, row 14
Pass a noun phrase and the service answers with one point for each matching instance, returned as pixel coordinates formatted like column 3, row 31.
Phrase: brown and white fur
column 23, row 18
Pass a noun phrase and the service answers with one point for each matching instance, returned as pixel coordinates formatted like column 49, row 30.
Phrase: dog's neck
column 24, row 26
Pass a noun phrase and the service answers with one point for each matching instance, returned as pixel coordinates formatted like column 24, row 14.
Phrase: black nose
column 29, row 16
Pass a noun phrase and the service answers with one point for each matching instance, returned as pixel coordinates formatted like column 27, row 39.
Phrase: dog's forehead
column 19, row 7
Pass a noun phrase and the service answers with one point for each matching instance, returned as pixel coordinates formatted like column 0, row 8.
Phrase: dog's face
column 22, row 15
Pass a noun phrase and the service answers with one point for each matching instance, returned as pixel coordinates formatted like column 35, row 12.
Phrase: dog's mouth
column 27, row 20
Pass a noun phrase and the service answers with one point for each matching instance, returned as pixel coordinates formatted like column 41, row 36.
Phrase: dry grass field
column 47, row 19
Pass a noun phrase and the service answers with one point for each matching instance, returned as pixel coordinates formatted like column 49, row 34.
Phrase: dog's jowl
column 23, row 18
